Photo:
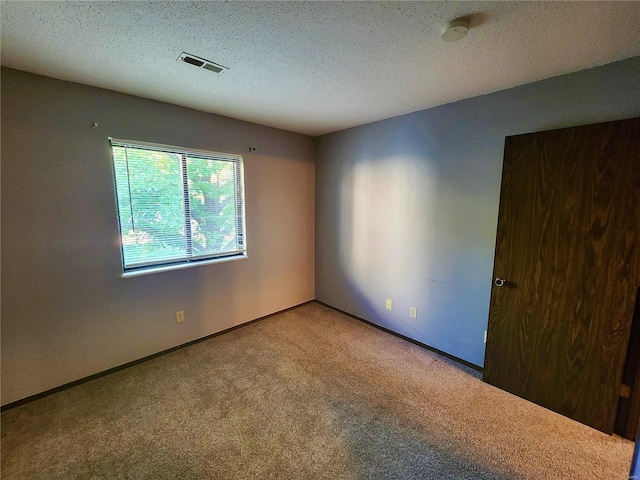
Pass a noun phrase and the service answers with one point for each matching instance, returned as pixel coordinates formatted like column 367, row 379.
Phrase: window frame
column 190, row 260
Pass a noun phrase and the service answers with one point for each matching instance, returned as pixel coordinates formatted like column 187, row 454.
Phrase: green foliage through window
column 177, row 205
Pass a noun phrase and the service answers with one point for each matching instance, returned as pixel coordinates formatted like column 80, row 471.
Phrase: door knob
column 499, row 282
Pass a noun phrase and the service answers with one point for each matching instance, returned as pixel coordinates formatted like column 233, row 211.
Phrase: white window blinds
column 177, row 206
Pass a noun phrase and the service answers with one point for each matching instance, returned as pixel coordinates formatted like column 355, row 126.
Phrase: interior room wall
column 66, row 312
column 406, row 208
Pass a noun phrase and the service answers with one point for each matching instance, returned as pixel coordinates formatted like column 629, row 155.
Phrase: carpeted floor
column 306, row 394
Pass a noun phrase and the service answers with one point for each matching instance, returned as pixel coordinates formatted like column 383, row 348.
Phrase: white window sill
column 180, row 266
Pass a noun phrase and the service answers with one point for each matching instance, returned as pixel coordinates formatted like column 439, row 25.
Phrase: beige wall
column 66, row 313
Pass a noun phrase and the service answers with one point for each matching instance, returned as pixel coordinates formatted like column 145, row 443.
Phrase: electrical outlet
column 180, row 316
column 389, row 304
column 485, row 336
column 413, row 312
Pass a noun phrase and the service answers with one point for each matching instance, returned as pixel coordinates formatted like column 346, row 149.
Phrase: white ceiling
column 313, row 67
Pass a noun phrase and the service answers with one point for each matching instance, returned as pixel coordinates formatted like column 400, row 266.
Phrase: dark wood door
column 568, row 247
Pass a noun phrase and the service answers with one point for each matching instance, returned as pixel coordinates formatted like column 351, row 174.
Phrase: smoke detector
column 455, row 30
column 201, row 62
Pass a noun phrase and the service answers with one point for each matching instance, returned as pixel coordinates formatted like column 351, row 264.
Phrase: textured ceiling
column 313, row 67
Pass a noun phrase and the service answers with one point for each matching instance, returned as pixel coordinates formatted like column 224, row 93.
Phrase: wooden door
column 568, row 247
column 628, row 412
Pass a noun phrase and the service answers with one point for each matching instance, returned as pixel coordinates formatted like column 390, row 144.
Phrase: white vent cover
column 201, row 62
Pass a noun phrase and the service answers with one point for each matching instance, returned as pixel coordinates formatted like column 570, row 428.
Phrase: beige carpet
column 306, row 394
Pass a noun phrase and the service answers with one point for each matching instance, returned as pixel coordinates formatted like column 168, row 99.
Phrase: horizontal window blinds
column 177, row 205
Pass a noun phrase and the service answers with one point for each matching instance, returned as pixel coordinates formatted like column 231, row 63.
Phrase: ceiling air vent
column 201, row 62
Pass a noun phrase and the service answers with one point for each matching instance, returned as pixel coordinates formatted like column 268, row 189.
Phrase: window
column 177, row 207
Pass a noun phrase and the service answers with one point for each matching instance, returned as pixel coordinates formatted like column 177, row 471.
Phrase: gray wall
column 406, row 208
column 66, row 313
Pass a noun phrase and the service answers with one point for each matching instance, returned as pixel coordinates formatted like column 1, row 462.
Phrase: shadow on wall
column 416, row 214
